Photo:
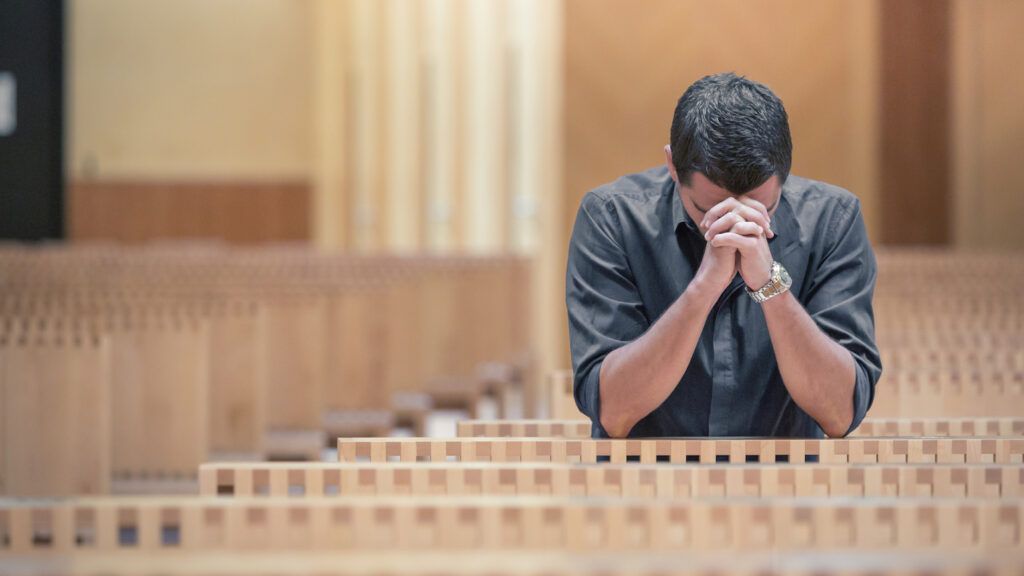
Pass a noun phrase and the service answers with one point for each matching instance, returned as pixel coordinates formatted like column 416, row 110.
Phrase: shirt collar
column 679, row 214
column 785, row 224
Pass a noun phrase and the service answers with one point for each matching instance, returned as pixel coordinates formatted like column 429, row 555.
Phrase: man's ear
column 671, row 166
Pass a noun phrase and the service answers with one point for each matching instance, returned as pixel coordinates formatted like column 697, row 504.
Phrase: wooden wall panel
column 915, row 115
column 237, row 212
column 331, row 126
column 988, row 126
column 487, row 205
column 404, row 189
column 189, row 89
column 441, row 33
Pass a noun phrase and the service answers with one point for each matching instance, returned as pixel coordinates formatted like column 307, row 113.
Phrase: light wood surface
column 280, row 479
column 682, row 450
column 55, row 413
column 524, row 522
column 536, row 563
column 870, row 427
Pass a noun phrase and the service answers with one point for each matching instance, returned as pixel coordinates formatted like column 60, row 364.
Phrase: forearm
column 818, row 372
column 636, row 378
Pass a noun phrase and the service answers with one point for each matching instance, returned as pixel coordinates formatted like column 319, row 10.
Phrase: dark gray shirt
column 634, row 249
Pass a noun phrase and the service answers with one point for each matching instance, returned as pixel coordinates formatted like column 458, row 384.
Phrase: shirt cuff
column 863, row 394
column 587, row 392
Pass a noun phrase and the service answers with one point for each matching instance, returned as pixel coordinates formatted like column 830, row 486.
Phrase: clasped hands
column 737, row 231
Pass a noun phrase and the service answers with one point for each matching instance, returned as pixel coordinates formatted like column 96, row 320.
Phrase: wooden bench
column 978, row 450
column 869, row 428
column 626, row 480
column 133, row 525
column 527, row 428
column 561, row 402
column 878, row 427
column 917, row 393
column 520, row 563
column 238, row 384
column 151, row 389
column 55, row 420
column 296, row 372
column 341, row 333
column 160, row 393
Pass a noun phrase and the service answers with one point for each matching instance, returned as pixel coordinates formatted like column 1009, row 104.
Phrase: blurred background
column 243, row 239
column 475, row 126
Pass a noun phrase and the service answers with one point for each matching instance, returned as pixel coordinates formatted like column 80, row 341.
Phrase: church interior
column 282, row 288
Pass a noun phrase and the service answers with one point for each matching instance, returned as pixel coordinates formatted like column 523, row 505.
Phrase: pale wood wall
column 189, row 119
column 988, row 128
column 407, row 124
column 189, row 89
column 437, row 134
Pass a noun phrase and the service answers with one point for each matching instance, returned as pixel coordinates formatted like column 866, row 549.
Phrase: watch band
column 778, row 284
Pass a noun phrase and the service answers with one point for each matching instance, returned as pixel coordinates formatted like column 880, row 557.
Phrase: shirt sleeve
column 839, row 300
column 603, row 302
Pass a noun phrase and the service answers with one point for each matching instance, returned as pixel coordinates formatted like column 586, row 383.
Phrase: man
column 718, row 295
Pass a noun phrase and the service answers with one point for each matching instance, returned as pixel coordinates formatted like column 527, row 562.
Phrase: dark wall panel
column 31, row 119
column 236, row 212
column 915, row 186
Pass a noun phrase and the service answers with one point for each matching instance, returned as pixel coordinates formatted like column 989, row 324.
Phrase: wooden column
column 915, row 188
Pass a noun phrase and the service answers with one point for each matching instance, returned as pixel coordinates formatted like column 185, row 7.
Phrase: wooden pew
column 525, row 563
column 875, row 427
column 237, row 404
column 357, row 399
column 869, row 428
column 976, row 450
column 134, row 525
column 55, row 421
column 280, row 479
column 562, row 404
column 528, row 428
column 916, row 393
column 296, row 368
column 311, row 366
column 160, row 385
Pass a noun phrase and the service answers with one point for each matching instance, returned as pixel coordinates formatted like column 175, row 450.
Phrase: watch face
column 784, row 277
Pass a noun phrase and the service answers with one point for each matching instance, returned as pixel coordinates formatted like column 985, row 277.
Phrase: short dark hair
column 733, row 130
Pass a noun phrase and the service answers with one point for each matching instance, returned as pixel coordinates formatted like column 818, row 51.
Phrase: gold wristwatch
column 779, row 283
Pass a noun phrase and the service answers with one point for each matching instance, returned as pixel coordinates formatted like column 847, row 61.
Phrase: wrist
column 703, row 291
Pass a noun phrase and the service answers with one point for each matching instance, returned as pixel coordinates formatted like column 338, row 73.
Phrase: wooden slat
column 160, row 371
column 870, row 427
column 237, row 409
column 682, row 450
column 518, row 563
column 55, row 420
column 626, row 480
column 535, row 523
